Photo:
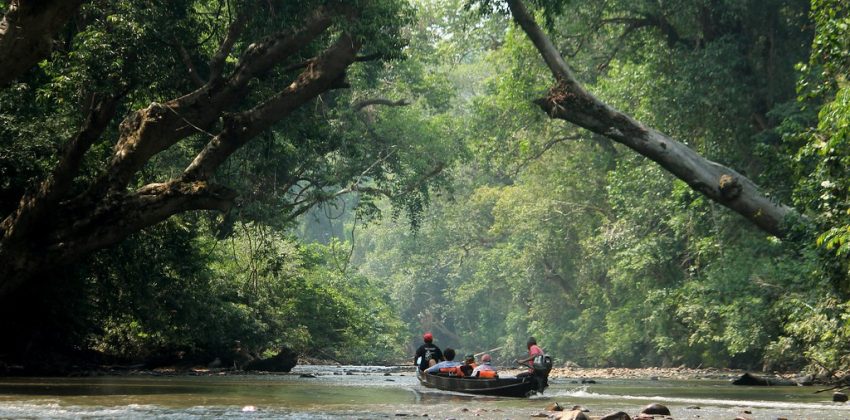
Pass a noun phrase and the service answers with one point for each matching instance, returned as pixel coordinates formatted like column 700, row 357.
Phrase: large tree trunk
column 51, row 227
column 26, row 33
column 569, row 101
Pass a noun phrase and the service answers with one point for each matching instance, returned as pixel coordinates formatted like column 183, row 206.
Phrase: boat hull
column 501, row 387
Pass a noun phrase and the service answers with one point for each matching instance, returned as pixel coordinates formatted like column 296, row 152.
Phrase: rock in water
column 839, row 397
column 554, row 407
column 753, row 380
column 616, row 416
column 656, row 409
column 574, row 415
column 283, row 361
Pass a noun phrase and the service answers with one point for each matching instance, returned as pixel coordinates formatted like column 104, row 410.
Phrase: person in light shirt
column 484, row 370
column 447, row 365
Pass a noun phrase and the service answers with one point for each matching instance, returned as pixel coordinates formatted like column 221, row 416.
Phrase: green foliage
column 599, row 253
column 515, row 225
column 174, row 287
column 258, row 287
column 823, row 151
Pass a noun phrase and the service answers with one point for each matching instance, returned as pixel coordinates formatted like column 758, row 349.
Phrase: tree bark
column 569, row 101
column 26, row 33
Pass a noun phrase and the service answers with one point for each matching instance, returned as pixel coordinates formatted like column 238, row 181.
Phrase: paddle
column 489, row 351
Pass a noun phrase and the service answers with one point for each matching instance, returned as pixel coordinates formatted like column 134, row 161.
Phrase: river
column 379, row 392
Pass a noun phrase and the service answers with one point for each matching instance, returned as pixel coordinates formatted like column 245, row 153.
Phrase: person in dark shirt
column 428, row 354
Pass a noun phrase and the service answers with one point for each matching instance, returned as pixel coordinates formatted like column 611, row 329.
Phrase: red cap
column 427, row 337
column 485, row 358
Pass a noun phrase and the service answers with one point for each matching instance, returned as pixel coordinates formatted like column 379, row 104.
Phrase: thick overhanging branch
column 262, row 56
column 153, row 129
column 108, row 224
column 569, row 101
column 324, row 74
column 26, row 31
column 121, row 216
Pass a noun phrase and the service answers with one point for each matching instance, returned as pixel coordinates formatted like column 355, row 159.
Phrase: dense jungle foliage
column 427, row 192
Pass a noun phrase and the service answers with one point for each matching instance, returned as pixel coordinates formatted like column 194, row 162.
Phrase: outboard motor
column 542, row 365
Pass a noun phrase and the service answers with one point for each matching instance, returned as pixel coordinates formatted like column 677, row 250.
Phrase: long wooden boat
column 501, row 387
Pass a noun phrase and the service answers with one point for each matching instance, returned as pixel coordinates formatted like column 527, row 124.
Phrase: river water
column 379, row 392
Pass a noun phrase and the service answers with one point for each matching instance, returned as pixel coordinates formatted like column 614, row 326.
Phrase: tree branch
column 149, row 205
column 546, row 146
column 33, row 206
column 187, row 61
column 357, row 106
column 324, row 74
column 151, row 130
column 216, row 63
column 569, row 101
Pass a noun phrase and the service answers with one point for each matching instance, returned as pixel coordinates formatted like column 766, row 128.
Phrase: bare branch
column 546, row 146
column 216, row 63
column 357, row 106
column 187, row 61
column 305, row 63
column 261, row 56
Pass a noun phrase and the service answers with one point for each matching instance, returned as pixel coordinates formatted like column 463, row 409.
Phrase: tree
column 221, row 101
column 569, row 101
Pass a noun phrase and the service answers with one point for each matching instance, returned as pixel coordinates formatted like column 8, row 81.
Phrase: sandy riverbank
column 654, row 373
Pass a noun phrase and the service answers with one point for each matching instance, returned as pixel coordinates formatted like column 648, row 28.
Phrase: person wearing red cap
column 428, row 354
column 484, row 370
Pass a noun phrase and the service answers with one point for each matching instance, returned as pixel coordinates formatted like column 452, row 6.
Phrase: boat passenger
column 428, row 354
column 447, row 366
column 468, row 365
column 484, row 370
column 533, row 351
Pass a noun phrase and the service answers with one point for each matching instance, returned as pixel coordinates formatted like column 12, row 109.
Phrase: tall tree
column 271, row 59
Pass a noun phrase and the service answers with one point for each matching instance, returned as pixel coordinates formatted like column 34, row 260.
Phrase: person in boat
column 533, row 351
column 428, row 354
column 446, row 366
column 484, row 370
column 468, row 365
